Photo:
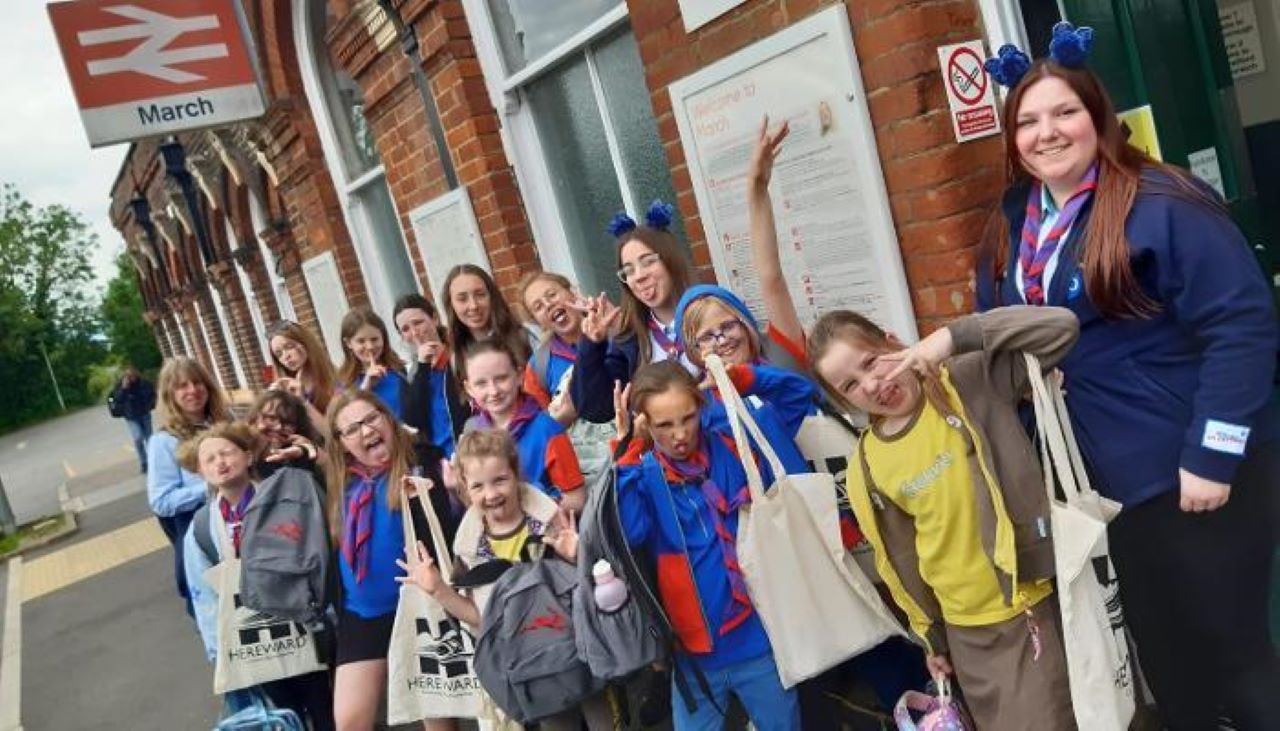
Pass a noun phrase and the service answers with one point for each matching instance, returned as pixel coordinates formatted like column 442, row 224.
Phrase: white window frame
column 359, row 226
column 1004, row 23
column 224, row 324
column 518, row 128
column 279, row 288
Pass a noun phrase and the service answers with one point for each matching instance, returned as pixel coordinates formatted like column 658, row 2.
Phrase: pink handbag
column 939, row 713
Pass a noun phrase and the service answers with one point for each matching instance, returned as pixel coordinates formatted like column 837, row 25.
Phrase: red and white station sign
column 970, row 91
column 146, row 67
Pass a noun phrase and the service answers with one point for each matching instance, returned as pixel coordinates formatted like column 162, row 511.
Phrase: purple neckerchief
column 526, row 411
column 561, row 349
column 1034, row 255
column 357, row 524
column 669, row 346
column 697, row 470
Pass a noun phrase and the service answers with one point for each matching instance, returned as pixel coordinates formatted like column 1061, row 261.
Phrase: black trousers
column 310, row 696
column 175, row 529
column 1195, row 588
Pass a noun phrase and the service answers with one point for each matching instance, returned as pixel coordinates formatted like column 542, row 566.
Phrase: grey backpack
column 637, row 634
column 526, row 656
column 286, row 548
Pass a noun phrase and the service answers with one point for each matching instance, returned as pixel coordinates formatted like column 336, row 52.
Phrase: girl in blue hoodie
column 680, row 484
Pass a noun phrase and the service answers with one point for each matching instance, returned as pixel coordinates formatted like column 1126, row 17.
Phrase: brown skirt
column 1004, row 688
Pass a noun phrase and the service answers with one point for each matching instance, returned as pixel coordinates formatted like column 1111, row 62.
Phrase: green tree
column 45, row 309
column 131, row 339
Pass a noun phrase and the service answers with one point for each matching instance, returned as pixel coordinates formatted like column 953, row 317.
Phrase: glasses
column 645, row 263
column 371, row 420
column 727, row 330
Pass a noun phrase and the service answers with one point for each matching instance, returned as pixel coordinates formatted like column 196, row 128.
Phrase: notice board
column 835, row 230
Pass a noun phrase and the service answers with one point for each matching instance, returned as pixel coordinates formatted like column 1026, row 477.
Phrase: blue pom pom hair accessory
column 1008, row 66
column 1070, row 45
column 1068, row 48
column 620, row 224
column 659, row 216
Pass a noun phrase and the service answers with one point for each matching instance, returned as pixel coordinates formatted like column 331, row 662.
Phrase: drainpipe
column 409, row 44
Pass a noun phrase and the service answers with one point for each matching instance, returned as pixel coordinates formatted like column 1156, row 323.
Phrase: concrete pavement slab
column 116, row 651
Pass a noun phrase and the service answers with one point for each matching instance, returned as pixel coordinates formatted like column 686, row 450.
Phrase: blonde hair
column 175, row 371
column 534, row 278
column 693, row 315
column 485, row 443
column 317, row 372
column 236, row 432
column 402, row 456
column 351, row 324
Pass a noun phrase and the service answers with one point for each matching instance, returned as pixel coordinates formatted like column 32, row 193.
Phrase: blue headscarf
column 700, row 291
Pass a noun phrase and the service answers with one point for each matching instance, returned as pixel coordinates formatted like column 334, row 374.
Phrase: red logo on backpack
column 291, row 531
column 552, row 620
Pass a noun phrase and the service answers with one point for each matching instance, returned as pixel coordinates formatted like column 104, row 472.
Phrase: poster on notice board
column 839, row 248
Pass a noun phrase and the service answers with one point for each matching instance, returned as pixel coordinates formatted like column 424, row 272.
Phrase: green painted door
column 1170, row 54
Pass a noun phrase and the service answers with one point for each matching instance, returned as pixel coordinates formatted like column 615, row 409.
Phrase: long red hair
column 1113, row 289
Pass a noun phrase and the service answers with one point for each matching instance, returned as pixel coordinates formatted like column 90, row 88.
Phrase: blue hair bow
column 659, row 216
column 1070, row 45
column 1008, row 66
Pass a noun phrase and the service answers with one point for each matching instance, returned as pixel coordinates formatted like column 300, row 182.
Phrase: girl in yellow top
column 948, row 489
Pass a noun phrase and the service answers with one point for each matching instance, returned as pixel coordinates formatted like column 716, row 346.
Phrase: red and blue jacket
column 547, row 459
column 671, row 518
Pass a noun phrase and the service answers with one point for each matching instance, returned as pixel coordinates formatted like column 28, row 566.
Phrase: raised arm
column 779, row 309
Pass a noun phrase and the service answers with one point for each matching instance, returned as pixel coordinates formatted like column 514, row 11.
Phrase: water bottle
column 610, row 591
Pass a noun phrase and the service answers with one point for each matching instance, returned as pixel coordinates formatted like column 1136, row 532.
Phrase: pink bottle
column 610, row 591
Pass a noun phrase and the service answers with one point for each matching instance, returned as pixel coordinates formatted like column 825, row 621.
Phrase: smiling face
column 366, row 345
column 549, row 304
column 365, row 433
column 272, row 427
column 673, row 421
column 417, row 327
column 469, row 298
column 1055, row 136
column 192, row 396
column 492, row 382
column 492, row 485
column 720, row 330
column 223, row 464
column 645, row 274
column 289, row 352
column 856, row 373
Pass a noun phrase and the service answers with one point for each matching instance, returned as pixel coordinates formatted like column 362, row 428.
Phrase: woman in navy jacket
column 1169, row 387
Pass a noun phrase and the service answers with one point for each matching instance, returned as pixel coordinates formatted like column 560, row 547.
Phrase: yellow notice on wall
column 1140, row 126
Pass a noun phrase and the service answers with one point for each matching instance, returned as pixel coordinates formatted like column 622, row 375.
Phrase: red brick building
column 404, row 136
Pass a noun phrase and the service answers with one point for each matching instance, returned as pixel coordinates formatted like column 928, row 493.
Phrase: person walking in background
column 132, row 399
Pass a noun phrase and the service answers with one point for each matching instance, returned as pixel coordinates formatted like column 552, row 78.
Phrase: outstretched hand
column 765, row 154
column 420, row 570
column 600, row 317
column 563, row 535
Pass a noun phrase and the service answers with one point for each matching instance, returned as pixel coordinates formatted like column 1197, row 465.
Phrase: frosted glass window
column 528, row 29
column 582, row 173
column 388, row 244
column 622, row 78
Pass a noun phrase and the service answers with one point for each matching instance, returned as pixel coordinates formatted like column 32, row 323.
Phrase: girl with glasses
column 371, row 461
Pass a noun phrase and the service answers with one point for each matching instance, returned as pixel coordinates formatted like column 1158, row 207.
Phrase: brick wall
column 939, row 191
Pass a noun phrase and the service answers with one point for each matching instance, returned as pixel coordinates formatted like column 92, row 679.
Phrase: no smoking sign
column 969, row 91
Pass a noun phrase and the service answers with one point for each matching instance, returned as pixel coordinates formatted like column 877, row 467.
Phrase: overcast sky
column 43, row 149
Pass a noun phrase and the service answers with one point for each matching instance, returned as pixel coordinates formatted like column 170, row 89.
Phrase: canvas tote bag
column 253, row 647
column 816, row 606
column 429, row 663
column 826, row 445
column 1100, row 674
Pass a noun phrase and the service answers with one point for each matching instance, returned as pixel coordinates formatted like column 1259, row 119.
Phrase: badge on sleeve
column 1075, row 287
column 1223, row 437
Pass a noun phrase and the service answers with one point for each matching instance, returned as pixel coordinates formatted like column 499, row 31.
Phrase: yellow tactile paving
column 90, row 558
